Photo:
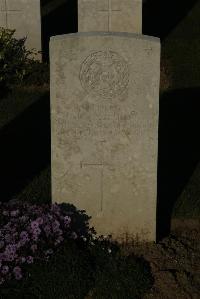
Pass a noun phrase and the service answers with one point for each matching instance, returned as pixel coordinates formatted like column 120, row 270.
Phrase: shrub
column 31, row 233
column 17, row 64
column 49, row 251
column 13, row 58
column 66, row 275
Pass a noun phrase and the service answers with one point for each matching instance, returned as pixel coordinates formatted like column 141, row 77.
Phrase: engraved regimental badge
column 105, row 74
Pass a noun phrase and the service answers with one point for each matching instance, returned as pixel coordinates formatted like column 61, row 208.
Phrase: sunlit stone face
column 104, row 120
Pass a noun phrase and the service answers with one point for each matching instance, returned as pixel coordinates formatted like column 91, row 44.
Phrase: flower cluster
column 31, row 232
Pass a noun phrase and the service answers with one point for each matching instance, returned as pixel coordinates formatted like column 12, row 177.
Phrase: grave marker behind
column 110, row 15
column 23, row 16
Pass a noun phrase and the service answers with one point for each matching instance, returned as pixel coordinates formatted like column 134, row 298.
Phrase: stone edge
column 117, row 34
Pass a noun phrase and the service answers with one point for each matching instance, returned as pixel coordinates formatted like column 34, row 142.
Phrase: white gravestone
column 104, row 122
column 23, row 16
column 110, row 15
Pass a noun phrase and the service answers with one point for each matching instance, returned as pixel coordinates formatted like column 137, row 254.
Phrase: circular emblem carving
column 104, row 73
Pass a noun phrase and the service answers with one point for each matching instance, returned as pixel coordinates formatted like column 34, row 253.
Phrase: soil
column 175, row 262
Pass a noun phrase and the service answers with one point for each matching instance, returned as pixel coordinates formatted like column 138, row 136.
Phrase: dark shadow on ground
column 179, row 149
column 24, row 148
column 161, row 16
column 63, row 20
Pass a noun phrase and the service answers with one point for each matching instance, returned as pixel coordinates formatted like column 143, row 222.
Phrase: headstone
column 23, row 16
column 104, row 120
column 110, row 15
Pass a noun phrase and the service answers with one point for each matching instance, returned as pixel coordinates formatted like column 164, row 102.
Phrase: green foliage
column 13, row 58
column 17, row 64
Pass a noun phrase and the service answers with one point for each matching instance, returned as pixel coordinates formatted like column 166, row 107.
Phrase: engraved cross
column 101, row 164
column 6, row 10
column 109, row 10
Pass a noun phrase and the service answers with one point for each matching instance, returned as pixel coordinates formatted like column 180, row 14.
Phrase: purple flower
column 8, row 238
column 17, row 269
column 36, row 233
column 23, row 218
column 14, row 213
column 59, row 240
column 39, row 220
column 47, row 230
column 17, row 272
column 21, row 243
column 24, row 237
column 59, row 232
column 34, row 247
column 11, row 248
column 55, row 209
column 5, row 213
column 23, row 259
column 50, row 216
column 8, row 225
column 2, row 280
column 5, row 270
column 74, row 235
column 48, row 252
column 35, row 237
column 24, row 234
column 29, row 259
column 55, row 225
column 67, row 220
column 34, row 225
column 10, row 252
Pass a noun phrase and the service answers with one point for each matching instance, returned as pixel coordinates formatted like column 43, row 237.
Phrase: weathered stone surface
column 2, row 5
column 104, row 117
column 25, row 17
column 110, row 15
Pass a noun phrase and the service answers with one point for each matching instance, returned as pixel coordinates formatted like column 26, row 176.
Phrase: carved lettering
column 99, row 121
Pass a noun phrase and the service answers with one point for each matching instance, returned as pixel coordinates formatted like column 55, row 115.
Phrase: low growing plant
column 17, row 64
column 13, row 58
column 49, row 251
column 31, row 233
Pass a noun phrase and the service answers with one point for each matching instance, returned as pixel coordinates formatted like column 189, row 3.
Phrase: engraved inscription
column 99, row 120
column 104, row 73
